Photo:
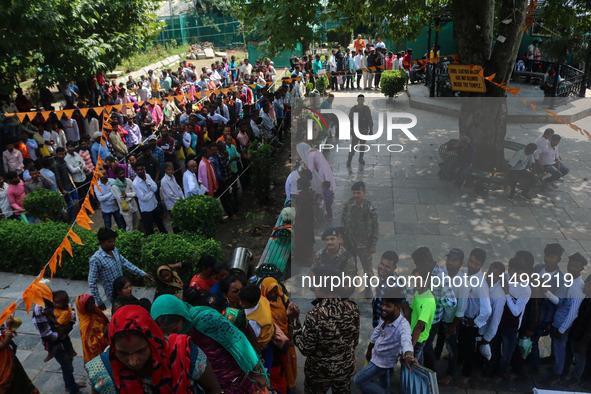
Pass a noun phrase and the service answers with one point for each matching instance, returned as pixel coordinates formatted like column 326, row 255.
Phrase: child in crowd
column 328, row 196
column 63, row 317
column 122, row 294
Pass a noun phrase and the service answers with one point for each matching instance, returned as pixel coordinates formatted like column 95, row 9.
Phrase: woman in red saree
column 93, row 326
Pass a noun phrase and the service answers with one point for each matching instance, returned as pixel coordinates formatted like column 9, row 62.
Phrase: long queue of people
column 185, row 148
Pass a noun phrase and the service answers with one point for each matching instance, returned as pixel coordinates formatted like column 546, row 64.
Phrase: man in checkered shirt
column 106, row 265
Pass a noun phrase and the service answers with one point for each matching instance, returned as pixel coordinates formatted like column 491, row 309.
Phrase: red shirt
column 406, row 62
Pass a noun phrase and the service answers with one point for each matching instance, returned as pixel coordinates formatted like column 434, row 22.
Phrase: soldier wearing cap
column 334, row 254
column 327, row 338
column 360, row 223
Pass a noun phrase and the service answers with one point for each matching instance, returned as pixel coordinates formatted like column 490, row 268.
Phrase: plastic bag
column 485, row 351
column 24, row 218
column 524, row 346
column 124, row 206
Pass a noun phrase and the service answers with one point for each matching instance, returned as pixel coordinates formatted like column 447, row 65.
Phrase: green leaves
column 392, row 82
column 71, row 40
column 199, row 215
column 45, row 204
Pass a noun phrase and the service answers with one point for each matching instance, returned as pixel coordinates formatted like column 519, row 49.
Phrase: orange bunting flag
column 152, row 101
column 98, row 110
column 216, row 92
column 118, row 107
column 53, row 264
column 36, row 293
column 108, row 109
column 533, row 106
column 68, row 113
column 83, row 111
column 372, row 68
column 523, row 100
column 490, row 77
column 68, row 246
column 83, row 220
column 21, row 116
column 87, row 205
column 75, row 237
column 513, row 91
column 45, row 115
column 188, row 95
column 179, row 98
column 10, row 309
column 9, row 115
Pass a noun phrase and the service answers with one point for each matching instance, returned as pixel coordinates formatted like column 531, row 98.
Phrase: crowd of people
column 155, row 153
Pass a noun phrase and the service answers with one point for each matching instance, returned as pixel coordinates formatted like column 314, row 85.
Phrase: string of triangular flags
column 68, row 113
column 514, row 91
column 37, row 291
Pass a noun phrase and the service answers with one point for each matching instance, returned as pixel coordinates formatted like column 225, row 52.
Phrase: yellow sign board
column 463, row 79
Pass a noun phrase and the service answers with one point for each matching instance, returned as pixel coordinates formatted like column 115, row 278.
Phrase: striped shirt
column 85, row 154
column 568, row 308
column 444, row 295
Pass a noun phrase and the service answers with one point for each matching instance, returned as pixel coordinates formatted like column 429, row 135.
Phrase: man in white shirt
column 476, row 311
column 566, row 312
column 544, row 139
column 548, row 160
column 108, row 202
column 380, row 43
column 143, row 91
column 192, row 185
column 76, row 167
column 390, row 340
column 171, row 191
column 71, row 129
column 145, row 189
column 489, row 331
column 452, row 315
column 245, row 69
column 516, row 296
column 358, row 66
column 215, row 117
column 332, row 62
column 520, row 162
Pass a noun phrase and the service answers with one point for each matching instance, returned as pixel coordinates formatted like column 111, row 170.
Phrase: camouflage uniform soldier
column 328, row 339
column 360, row 220
column 334, row 254
column 365, row 124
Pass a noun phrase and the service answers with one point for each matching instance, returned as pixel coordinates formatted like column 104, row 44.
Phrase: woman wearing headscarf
column 142, row 360
column 168, row 281
column 234, row 360
column 272, row 290
column 93, row 326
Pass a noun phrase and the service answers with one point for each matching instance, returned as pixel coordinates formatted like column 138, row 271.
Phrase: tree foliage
column 70, row 39
column 284, row 24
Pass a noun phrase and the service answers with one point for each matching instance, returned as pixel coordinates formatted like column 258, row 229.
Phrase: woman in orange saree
column 278, row 301
column 93, row 327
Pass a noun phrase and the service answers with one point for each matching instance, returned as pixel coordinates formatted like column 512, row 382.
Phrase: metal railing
column 437, row 80
column 572, row 83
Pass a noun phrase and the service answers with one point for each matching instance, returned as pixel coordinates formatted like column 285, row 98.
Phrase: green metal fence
column 224, row 32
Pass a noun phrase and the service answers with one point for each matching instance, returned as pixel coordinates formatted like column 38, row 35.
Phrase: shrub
column 45, row 204
column 322, row 83
column 392, row 82
column 26, row 248
column 309, row 86
column 261, row 160
column 169, row 248
column 197, row 214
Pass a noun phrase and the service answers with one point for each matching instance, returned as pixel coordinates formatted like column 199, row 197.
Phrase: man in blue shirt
column 97, row 150
column 106, row 265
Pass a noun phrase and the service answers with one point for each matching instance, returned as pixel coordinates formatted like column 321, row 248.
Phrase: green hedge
column 392, row 82
column 200, row 215
column 26, row 248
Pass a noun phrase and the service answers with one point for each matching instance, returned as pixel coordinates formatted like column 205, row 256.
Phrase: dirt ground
column 234, row 234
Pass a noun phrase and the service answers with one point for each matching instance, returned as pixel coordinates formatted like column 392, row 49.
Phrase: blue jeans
column 509, row 339
column 118, row 219
column 556, row 172
column 65, row 363
column 364, row 379
column 69, row 197
column 559, row 350
column 418, row 351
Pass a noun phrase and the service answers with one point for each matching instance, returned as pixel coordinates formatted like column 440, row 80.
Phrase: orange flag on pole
column 75, row 237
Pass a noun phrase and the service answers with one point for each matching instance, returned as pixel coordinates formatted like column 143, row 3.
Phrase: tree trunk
column 483, row 117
